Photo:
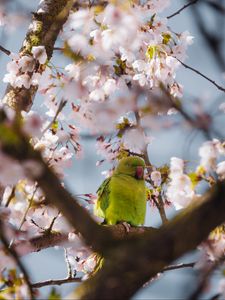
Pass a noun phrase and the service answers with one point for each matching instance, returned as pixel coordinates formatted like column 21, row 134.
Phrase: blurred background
column 205, row 20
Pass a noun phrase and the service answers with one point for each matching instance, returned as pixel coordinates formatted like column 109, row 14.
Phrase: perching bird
column 122, row 197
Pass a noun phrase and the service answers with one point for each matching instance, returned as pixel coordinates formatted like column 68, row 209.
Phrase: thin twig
column 25, row 214
column 161, row 210
column 60, row 108
column 16, row 258
column 68, row 265
column 202, row 75
column 182, row 8
column 4, row 50
column 56, row 282
column 179, row 266
column 58, row 48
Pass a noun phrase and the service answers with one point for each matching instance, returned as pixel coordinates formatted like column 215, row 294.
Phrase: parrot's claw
column 127, row 226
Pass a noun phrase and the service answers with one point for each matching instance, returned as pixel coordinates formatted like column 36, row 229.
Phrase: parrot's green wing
column 103, row 198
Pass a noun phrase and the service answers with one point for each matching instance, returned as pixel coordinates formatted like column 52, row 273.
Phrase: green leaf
column 151, row 52
column 166, row 38
column 120, row 67
column 54, row 295
column 195, row 179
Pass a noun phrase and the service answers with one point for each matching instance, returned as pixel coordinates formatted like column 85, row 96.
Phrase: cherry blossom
column 180, row 190
column 156, row 178
column 122, row 69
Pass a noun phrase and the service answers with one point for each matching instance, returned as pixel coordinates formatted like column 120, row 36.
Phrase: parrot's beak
column 139, row 172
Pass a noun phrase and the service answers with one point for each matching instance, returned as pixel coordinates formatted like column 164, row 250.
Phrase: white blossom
column 39, row 54
column 156, row 178
column 208, row 154
column 220, row 169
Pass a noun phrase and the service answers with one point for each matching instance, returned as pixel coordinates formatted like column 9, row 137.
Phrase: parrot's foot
column 127, row 226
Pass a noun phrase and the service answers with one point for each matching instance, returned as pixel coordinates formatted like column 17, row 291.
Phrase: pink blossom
column 23, row 80
column 134, row 140
column 39, row 54
column 208, row 154
column 156, row 178
column 26, row 63
column 220, row 169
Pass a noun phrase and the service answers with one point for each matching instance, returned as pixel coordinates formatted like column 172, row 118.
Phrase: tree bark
column 46, row 24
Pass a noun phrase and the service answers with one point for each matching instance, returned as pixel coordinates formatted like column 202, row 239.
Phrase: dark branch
column 182, row 8
column 202, row 75
column 4, row 50
column 179, row 266
column 55, row 282
column 24, row 247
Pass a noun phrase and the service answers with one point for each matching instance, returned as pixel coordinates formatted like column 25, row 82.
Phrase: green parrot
column 122, row 197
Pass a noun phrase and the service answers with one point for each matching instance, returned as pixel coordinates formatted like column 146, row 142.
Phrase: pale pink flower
column 220, row 169
column 139, row 65
column 97, row 95
column 127, row 55
column 176, row 90
column 12, row 67
column 109, row 86
column 141, row 78
column 39, row 54
column 208, row 154
column 186, row 39
column 23, row 80
column 179, row 191
column 176, row 165
column 10, row 78
column 156, row 178
column 26, row 63
column 74, row 71
column 134, row 140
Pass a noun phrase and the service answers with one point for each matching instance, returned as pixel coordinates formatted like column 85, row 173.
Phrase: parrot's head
column 133, row 166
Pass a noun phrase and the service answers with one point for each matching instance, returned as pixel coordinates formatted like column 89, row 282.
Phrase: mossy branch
column 46, row 24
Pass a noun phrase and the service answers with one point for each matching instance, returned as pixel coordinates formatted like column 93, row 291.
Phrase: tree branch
column 202, row 75
column 48, row 240
column 182, row 8
column 56, row 282
column 44, row 29
column 179, row 266
column 156, row 250
column 79, row 279
column 4, row 50
column 38, row 243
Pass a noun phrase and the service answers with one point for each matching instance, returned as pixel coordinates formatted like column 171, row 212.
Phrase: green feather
column 103, row 198
column 122, row 197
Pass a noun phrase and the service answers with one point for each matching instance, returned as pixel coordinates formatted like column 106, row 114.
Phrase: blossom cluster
column 21, row 70
column 124, row 59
